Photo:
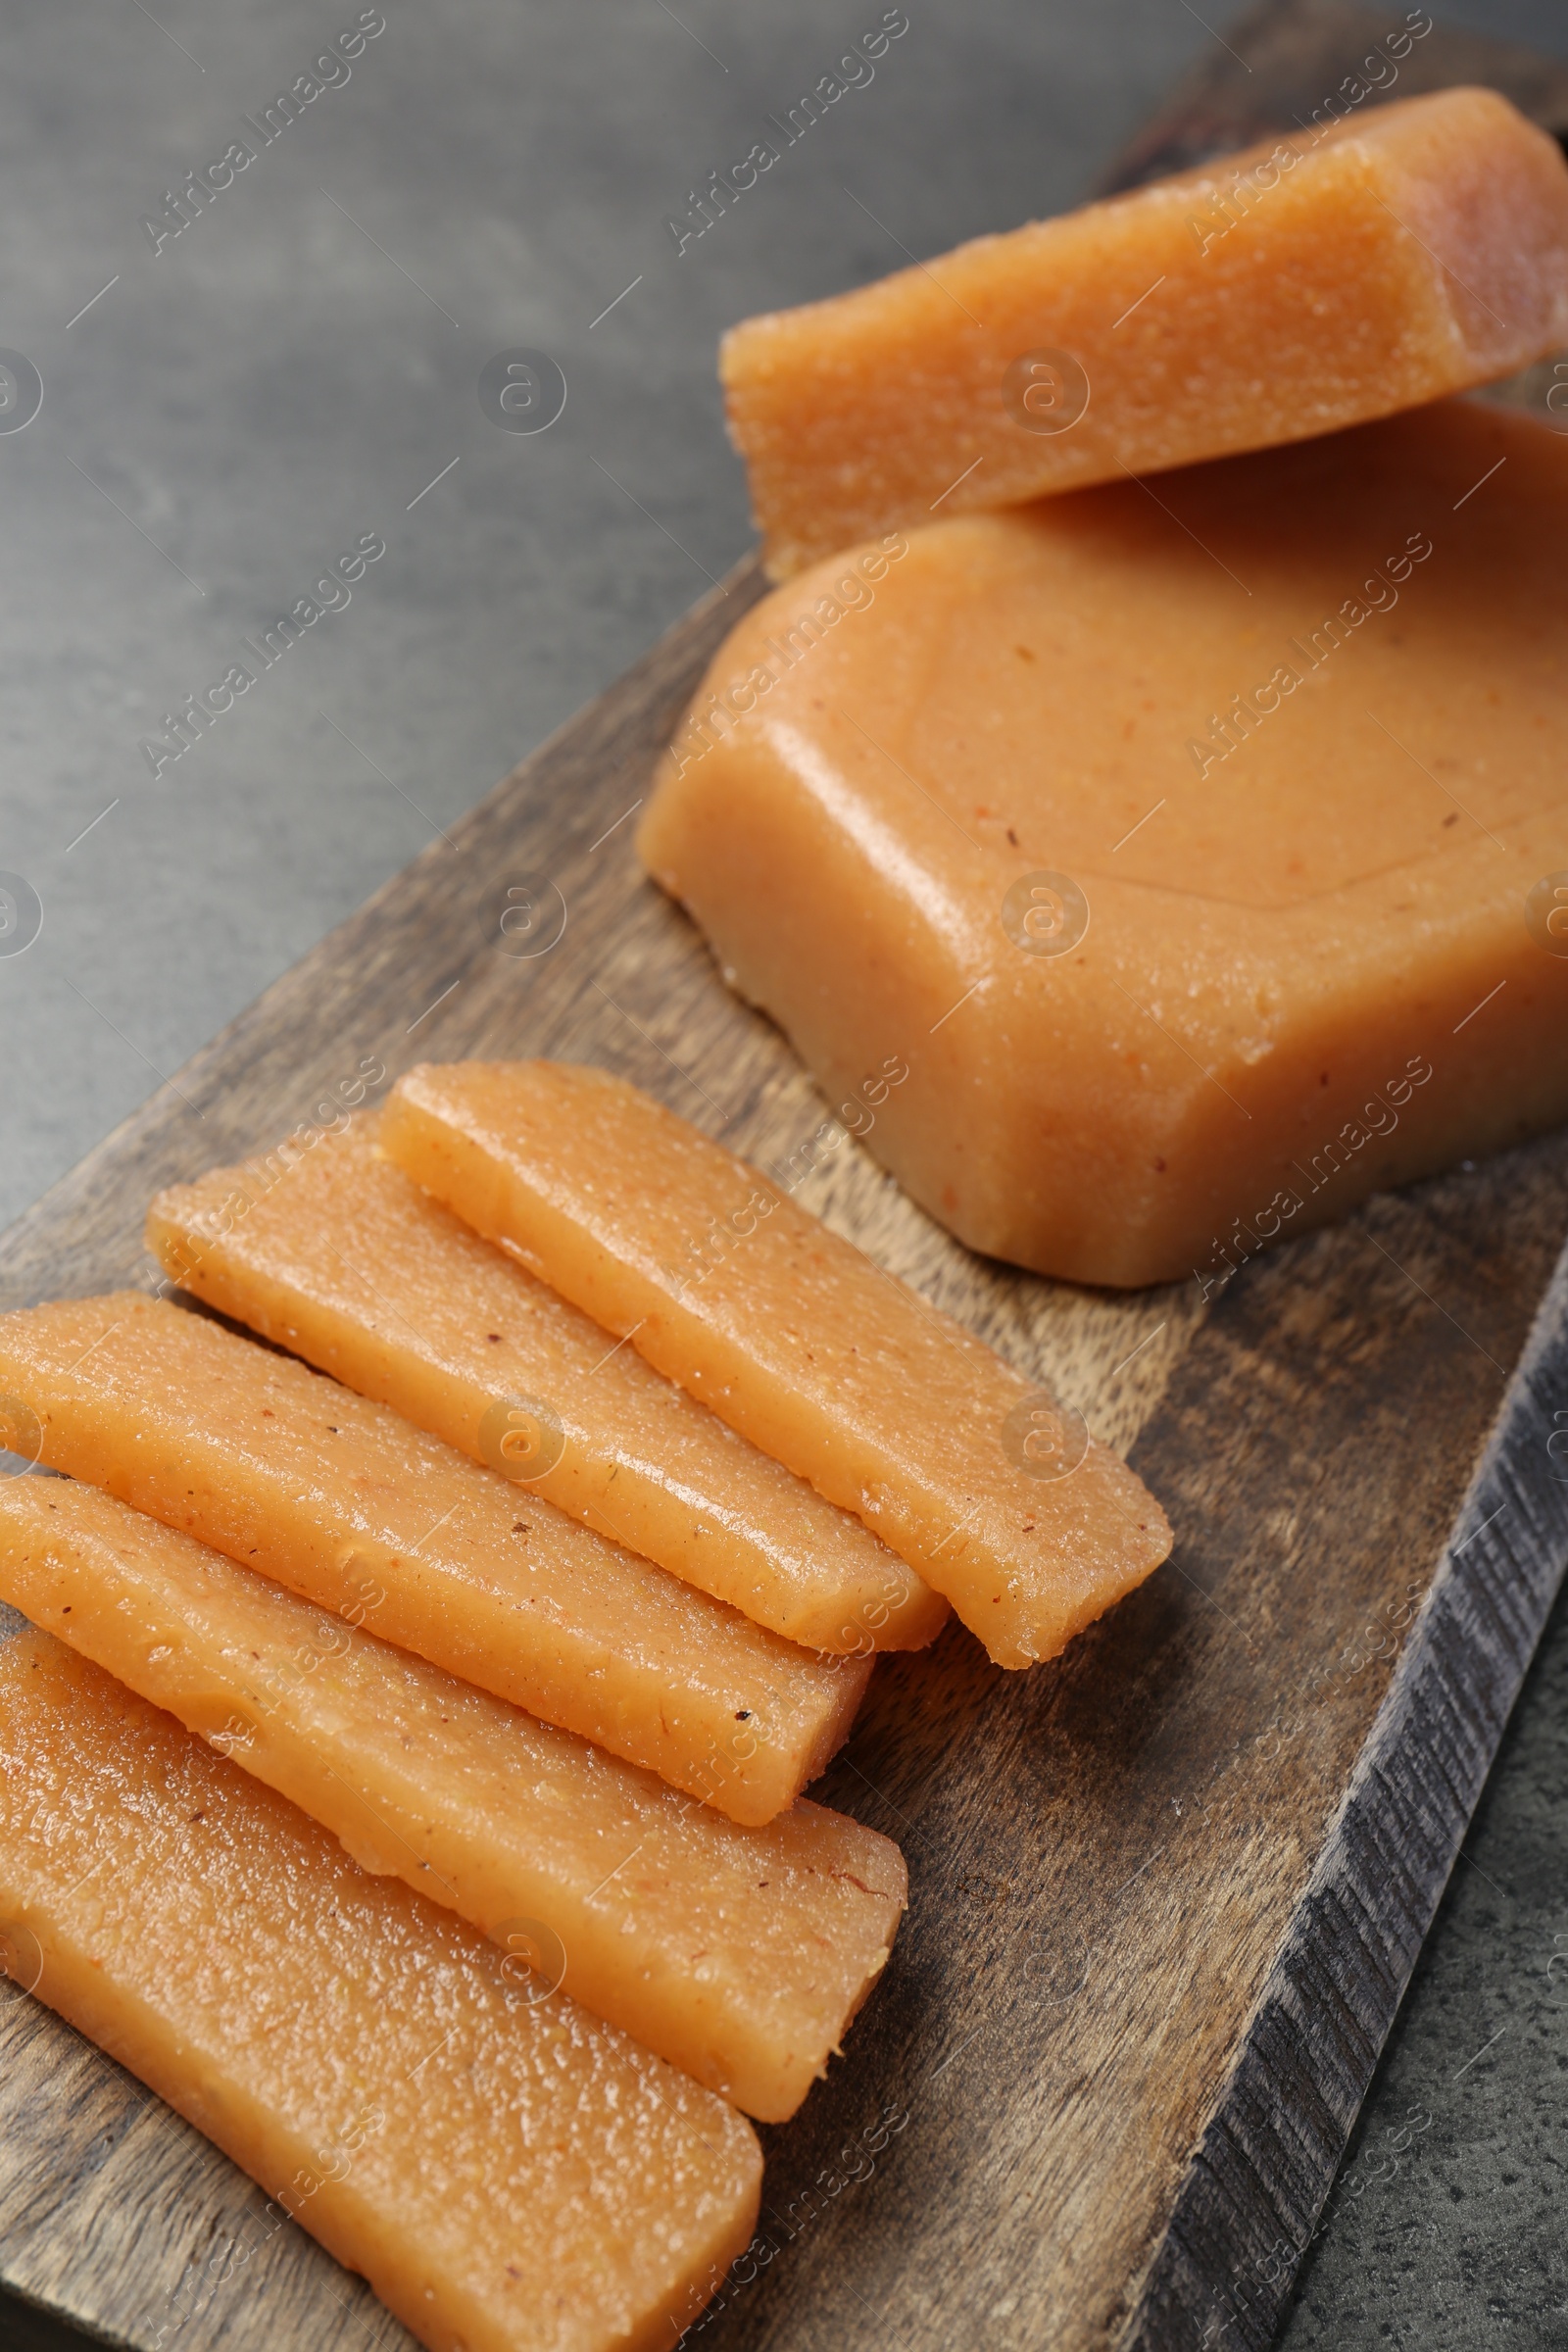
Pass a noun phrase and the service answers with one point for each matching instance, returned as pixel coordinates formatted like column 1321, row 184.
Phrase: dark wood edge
column 1250, row 2200
column 1252, row 81
column 522, row 804
column 28, row 2325
column 666, row 672
column 1249, row 2204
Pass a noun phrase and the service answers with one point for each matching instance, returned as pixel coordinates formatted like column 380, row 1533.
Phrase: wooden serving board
column 1167, row 1892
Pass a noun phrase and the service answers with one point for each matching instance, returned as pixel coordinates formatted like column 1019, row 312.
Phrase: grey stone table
column 244, row 381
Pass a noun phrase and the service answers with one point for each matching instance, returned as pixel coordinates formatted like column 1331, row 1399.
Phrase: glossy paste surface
column 343, row 1502
column 345, row 1262
column 1195, row 856
column 740, row 1955
column 1343, row 271
column 510, row 2174
column 797, row 1339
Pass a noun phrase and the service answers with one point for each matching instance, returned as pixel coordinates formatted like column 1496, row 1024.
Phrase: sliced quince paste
column 802, row 1344
column 740, row 1955
column 348, row 1504
column 509, row 2173
column 345, row 1262
column 1340, row 272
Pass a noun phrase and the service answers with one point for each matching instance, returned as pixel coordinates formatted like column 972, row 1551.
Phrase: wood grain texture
column 1166, row 1893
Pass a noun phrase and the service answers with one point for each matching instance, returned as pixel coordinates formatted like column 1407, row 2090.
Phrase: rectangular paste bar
column 740, row 1955
column 798, row 1341
column 508, row 2172
column 1340, row 273
column 1206, row 861
column 345, row 1262
column 343, row 1502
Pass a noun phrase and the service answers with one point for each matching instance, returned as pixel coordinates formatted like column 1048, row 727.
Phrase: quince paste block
column 1340, row 273
column 1190, row 852
column 345, row 1262
column 740, row 1955
column 508, row 2172
column 726, row 1284
column 348, row 1504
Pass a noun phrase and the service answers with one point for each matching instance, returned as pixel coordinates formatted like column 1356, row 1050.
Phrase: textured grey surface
column 273, row 384
column 269, row 386
column 1445, row 2228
